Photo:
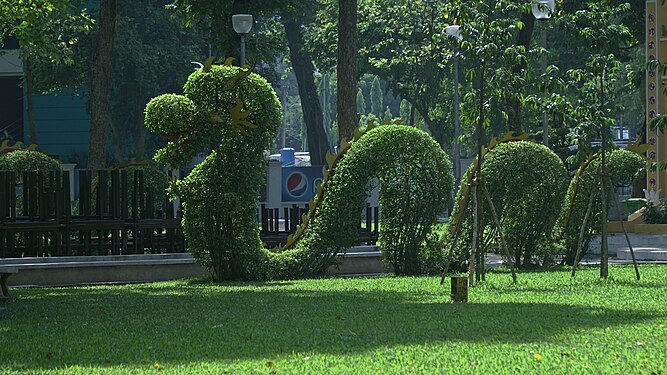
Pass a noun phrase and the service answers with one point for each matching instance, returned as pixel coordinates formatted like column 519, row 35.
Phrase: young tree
column 387, row 114
column 598, row 35
column 488, row 30
column 513, row 104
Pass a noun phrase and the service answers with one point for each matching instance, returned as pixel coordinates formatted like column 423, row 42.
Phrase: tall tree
column 361, row 102
column 267, row 46
column 416, row 73
column 512, row 101
column 100, row 109
column 347, row 68
column 141, row 26
column 376, row 98
column 47, row 33
column 304, row 69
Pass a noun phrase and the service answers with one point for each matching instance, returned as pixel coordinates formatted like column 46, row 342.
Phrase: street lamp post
column 542, row 10
column 455, row 32
column 242, row 25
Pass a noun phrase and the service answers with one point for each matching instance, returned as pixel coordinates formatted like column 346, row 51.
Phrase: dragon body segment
column 415, row 181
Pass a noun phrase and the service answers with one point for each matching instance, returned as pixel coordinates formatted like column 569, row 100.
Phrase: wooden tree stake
column 627, row 238
column 582, row 231
column 475, row 233
column 500, row 231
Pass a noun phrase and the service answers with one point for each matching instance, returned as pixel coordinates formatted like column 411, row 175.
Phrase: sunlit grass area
column 547, row 323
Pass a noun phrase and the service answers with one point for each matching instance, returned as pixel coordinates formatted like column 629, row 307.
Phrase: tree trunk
column 100, row 111
column 32, row 127
column 436, row 131
column 478, row 233
column 347, row 68
column 117, row 140
column 140, row 133
column 304, row 68
column 140, row 141
column 512, row 103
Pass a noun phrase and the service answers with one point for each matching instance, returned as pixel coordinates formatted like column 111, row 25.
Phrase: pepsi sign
column 299, row 184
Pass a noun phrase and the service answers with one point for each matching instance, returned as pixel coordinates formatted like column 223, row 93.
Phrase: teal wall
column 62, row 124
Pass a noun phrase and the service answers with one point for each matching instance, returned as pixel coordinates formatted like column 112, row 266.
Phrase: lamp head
column 454, row 31
column 242, row 23
column 542, row 9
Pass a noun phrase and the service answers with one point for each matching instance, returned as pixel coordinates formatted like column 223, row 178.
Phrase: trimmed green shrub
column 526, row 182
column 176, row 119
column 155, row 181
column 623, row 167
column 28, row 161
column 20, row 161
column 655, row 214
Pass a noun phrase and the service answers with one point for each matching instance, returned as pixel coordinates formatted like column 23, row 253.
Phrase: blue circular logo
column 297, row 184
column 316, row 183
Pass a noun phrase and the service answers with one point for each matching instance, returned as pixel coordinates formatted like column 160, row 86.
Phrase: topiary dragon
column 234, row 114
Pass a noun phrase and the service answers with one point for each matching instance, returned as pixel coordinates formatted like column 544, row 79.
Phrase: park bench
column 72, row 270
column 5, row 272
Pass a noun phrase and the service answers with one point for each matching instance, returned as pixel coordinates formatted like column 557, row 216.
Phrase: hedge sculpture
column 623, row 167
column 28, row 161
column 526, row 182
column 234, row 114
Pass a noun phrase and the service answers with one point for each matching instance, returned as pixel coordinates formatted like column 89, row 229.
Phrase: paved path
column 495, row 260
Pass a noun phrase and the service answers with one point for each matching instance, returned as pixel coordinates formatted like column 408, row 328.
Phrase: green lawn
column 548, row 323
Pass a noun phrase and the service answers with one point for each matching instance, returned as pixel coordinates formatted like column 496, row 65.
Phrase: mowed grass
column 548, row 323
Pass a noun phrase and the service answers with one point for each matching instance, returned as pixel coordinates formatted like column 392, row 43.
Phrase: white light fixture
column 242, row 23
column 454, row 31
column 543, row 9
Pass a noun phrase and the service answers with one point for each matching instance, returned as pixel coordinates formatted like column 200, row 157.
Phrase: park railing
column 277, row 224
column 115, row 214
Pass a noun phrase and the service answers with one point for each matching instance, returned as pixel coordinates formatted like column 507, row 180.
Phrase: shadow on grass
column 142, row 324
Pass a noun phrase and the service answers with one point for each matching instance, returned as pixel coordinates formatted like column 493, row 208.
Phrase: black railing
column 115, row 214
column 277, row 224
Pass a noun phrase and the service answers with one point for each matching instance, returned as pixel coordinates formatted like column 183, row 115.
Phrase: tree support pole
column 457, row 231
column 475, row 233
column 500, row 231
column 582, row 231
column 604, row 245
column 604, row 174
column 627, row 238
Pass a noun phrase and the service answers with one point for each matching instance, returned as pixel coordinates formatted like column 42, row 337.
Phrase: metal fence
column 114, row 214
column 277, row 224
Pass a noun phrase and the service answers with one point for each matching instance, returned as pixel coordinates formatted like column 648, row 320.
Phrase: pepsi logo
column 316, row 183
column 297, row 184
